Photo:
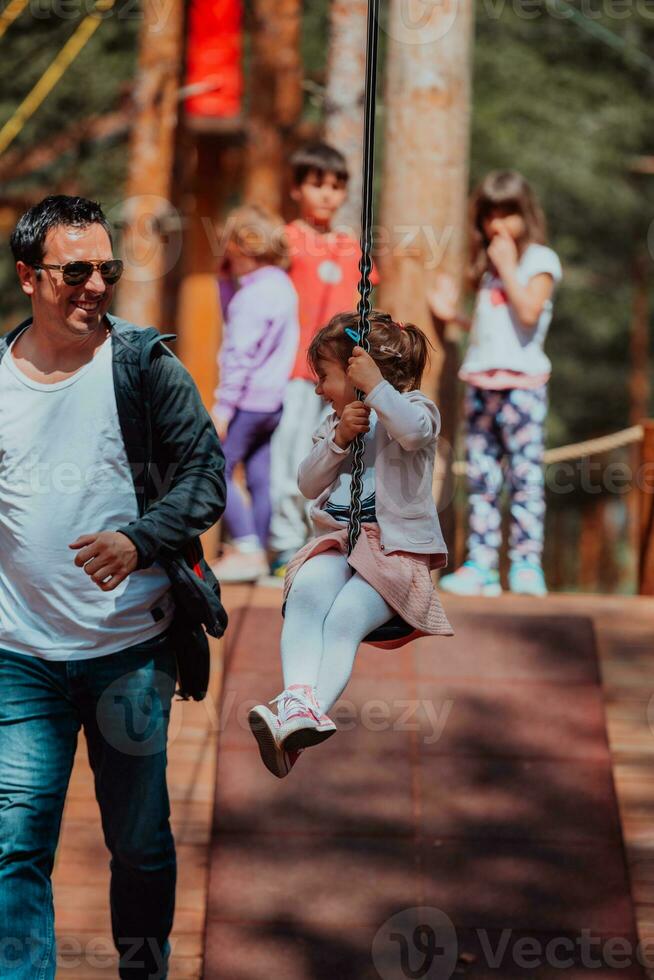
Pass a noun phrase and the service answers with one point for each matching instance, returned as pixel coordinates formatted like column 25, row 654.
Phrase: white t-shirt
column 498, row 340
column 63, row 473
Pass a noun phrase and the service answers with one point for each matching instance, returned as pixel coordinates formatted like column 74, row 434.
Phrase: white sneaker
column 264, row 725
column 527, row 579
column 301, row 722
column 241, row 566
column 471, row 579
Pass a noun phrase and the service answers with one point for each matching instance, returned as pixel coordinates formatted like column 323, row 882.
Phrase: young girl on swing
column 333, row 601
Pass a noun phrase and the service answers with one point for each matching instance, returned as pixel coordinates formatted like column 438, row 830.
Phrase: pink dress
column 401, row 578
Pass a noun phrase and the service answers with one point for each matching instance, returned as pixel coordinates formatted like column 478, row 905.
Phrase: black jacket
column 184, row 492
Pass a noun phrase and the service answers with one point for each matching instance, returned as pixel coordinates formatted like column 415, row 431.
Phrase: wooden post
column 275, row 97
column 638, row 390
column 590, row 543
column 210, row 171
column 425, row 182
column 198, row 309
column 146, row 209
column 639, row 340
column 554, row 558
column 645, row 482
column 344, row 98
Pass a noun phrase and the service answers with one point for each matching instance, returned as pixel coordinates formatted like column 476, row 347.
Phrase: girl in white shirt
column 506, row 372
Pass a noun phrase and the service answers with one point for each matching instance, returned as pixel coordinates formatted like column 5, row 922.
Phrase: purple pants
column 248, row 442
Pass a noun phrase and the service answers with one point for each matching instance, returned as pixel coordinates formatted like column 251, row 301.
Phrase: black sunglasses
column 75, row 273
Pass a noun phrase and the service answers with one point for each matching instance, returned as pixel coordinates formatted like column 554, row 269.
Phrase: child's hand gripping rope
column 363, row 371
column 364, row 374
column 354, row 420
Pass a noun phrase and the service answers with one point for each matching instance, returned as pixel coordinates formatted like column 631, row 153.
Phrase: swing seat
column 395, row 633
column 394, row 629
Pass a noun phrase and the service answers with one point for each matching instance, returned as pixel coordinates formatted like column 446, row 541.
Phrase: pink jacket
column 405, row 448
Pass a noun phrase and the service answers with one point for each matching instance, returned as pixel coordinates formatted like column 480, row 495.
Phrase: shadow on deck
column 469, row 795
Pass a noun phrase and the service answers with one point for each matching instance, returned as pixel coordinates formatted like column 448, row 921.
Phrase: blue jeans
column 123, row 702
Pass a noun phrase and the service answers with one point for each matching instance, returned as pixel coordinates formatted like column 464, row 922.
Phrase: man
column 85, row 606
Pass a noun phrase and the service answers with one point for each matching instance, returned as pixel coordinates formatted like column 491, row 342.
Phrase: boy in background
column 324, row 268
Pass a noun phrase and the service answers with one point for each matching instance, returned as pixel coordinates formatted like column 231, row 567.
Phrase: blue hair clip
column 353, row 335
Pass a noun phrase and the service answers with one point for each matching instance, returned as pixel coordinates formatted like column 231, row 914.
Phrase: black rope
column 365, row 264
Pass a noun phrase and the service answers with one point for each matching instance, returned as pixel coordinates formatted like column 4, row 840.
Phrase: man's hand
column 108, row 557
column 354, row 420
column 221, row 427
column 363, row 371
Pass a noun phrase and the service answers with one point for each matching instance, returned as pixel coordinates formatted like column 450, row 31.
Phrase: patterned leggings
column 505, row 425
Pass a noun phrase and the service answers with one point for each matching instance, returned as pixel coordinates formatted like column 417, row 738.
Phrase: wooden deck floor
column 625, row 634
column 81, row 878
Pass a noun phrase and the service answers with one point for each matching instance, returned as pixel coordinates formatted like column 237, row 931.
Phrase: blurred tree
column 425, row 182
column 147, row 207
column 275, row 99
column 344, row 96
column 92, row 161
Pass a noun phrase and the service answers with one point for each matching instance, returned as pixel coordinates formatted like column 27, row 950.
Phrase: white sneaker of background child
column 246, row 561
column 471, row 579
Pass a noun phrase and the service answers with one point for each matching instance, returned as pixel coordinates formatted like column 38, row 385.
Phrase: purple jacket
column 260, row 339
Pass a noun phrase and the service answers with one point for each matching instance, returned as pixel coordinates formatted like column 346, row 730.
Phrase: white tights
column 330, row 609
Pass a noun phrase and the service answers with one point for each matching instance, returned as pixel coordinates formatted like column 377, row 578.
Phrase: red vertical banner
column 214, row 59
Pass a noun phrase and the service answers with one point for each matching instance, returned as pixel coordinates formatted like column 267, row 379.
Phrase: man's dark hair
column 319, row 158
column 28, row 237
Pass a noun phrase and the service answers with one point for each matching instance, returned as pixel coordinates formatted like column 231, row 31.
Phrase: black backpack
column 195, row 588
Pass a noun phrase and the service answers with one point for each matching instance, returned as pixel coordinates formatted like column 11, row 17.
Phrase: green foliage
column 94, row 84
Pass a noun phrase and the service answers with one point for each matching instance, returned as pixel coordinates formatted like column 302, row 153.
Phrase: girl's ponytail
column 416, row 347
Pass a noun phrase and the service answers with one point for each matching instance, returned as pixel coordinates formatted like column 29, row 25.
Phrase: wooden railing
column 646, row 512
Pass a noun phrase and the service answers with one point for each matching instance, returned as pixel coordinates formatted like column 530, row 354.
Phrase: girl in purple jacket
column 260, row 340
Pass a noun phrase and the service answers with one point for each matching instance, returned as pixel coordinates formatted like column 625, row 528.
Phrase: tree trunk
column 344, row 98
column 428, row 83
column 146, row 211
column 275, row 97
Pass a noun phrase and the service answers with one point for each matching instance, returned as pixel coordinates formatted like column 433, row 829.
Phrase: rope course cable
column 561, row 8
column 13, row 10
column 365, row 265
column 53, row 73
column 579, row 450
